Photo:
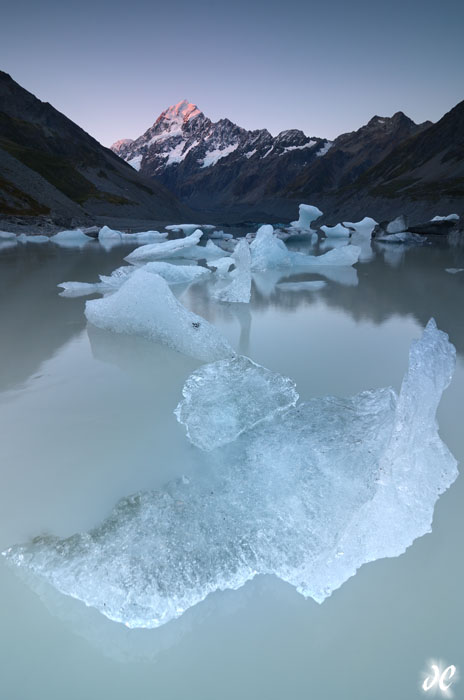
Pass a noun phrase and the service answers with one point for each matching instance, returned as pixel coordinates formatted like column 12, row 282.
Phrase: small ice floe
column 454, row 270
column 221, row 235
column 338, row 231
column 24, row 238
column 239, row 290
column 269, row 252
column 364, row 227
column 79, row 289
column 187, row 229
column 210, row 251
column 144, row 305
column 309, row 286
column 7, row 236
column 166, row 249
column 308, row 214
column 75, row 238
column 404, row 237
column 450, row 217
column 109, row 238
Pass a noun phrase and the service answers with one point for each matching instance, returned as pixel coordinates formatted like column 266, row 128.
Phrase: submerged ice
column 223, row 399
column 308, row 494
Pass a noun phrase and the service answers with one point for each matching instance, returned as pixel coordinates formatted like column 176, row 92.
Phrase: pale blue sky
column 323, row 66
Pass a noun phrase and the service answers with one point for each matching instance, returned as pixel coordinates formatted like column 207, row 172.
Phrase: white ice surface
column 71, row 239
column 308, row 495
column 166, row 249
column 239, row 290
column 223, row 399
column 450, row 217
column 308, row 214
column 338, row 231
column 144, row 305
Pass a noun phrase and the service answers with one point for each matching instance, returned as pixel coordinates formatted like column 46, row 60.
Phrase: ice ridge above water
column 308, row 494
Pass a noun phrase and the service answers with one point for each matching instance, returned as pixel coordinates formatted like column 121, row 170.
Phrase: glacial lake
column 87, row 418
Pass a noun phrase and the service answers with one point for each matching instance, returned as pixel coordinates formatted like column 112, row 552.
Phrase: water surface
column 86, row 418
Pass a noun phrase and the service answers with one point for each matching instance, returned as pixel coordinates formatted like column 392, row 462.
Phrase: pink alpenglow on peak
column 183, row 112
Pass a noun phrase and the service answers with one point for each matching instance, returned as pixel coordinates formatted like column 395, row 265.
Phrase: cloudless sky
column 323, row 66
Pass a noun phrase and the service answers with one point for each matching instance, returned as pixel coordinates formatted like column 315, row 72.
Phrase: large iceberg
column 308, row 214
column 239, row 290
column 144, row 305
column 223, row 399
column 166, row 249
column 309, row 495
column 269, row 252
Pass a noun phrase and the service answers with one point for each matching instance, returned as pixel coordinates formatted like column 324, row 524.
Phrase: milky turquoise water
column 86, row 418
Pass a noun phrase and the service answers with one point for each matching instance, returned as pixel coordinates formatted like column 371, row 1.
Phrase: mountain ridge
column 50, row 167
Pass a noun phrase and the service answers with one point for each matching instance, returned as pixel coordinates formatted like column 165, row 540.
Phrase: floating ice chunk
column 309, row 495
column 221, row 235
column 450, row 217
column 338, row 231
column 7, row 236
column 223, row 399
column 308, row 214
column 79, row 289
column 177, row 274
column 363, row 227
column 308, row 286
column 454, row 270
column 146, row 236
column 210, row 251
column 166, row 249
column 187, row 229
column 267, row 251
column 398, row 225
column 403, row 237
column 110, row 237
column 23, row 238
column 343, row 256
column 222, row 266
column 239, row 290
column 116, row 279
column 71, row 239
column 6, row 245
column 144, row 305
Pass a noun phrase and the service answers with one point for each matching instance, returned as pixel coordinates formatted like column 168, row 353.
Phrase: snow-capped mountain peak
column 180, row 113
column 184, row 143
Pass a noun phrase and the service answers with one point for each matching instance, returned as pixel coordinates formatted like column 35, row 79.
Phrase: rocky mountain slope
column 51, row 169
column 422, row 175
column 220, row 167
column 212, row 165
